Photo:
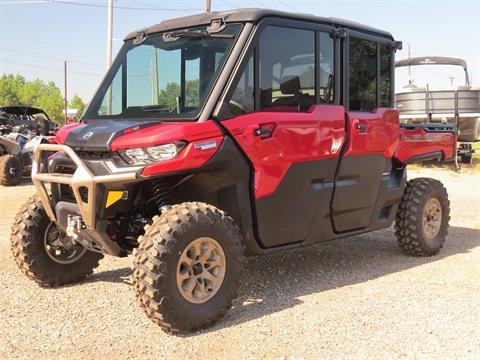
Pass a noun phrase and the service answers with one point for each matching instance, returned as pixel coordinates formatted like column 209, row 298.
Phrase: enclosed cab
column 223, row 134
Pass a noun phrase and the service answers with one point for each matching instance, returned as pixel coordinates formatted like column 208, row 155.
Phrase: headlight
column 138, row 156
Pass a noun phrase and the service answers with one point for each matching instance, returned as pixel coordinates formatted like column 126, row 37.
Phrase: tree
column 10, row 86
column 15, row 90
column 168, row 96
column 77, row 103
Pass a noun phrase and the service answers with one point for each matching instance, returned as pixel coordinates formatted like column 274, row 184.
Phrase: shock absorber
column 161, row 193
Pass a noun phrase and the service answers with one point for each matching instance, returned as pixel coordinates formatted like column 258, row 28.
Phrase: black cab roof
column 22, row 110
column 251, row 15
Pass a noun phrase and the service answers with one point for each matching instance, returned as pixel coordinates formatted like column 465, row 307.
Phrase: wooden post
column 65, row 101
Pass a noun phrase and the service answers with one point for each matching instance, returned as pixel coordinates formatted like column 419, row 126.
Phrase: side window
column 327, row 68
column 242, row 99
column 385, row 76
column 287, row 69
column 363, row 74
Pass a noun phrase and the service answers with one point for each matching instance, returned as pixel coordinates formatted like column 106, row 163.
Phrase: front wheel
column 40, row 253
column 10, row 170
column 187, row 266
column 422, row 218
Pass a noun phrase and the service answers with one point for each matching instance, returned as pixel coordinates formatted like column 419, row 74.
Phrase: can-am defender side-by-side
column 227, row 134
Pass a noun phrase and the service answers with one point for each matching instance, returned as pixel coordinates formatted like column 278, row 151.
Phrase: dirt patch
column 357, row 297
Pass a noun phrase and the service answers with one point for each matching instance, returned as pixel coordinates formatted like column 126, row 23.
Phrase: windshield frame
column 120, row 59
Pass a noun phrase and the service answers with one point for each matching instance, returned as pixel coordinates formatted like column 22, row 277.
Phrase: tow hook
column 74, row 225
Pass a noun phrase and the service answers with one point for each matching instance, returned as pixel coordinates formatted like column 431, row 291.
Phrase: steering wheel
column 239, row 106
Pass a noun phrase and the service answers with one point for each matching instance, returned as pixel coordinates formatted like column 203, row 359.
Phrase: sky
column 36, row 36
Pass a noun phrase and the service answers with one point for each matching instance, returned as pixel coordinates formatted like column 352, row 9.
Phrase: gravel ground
column 353, row 298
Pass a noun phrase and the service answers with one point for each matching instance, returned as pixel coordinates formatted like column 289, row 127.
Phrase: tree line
column 16, row 90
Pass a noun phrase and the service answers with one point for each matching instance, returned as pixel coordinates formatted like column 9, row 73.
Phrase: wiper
column 191, row 34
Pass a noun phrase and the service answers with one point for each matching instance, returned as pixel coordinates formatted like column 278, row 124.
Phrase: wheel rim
column 432, row 218
column 13, row 170
column 201, row 270
column 59, row 252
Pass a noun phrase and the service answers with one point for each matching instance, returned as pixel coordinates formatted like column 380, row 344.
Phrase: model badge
column 87, row 136
column 206, row 145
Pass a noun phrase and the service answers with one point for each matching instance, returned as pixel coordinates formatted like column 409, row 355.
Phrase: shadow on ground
column 274, row 282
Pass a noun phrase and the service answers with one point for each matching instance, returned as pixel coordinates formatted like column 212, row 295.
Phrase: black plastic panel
column 300, row 202
column 356, row 190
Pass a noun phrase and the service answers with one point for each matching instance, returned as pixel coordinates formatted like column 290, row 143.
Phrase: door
column 373, row 135
column 292, row 133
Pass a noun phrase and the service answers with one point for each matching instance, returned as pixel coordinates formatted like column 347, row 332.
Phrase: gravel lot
column 358, row 297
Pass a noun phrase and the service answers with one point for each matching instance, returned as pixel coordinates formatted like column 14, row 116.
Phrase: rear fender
column 422, row 143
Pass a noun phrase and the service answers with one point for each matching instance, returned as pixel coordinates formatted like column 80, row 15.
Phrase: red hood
column 62, row 133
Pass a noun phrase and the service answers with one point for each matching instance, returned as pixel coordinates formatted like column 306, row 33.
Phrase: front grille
column 67, row 193
column 94, row 155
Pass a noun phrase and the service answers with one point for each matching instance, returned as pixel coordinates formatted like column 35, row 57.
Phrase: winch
column 74, row 225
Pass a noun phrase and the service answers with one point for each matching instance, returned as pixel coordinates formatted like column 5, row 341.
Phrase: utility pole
column 409, row 67
column 65, row 103
column 208, row 5
column 109, row 33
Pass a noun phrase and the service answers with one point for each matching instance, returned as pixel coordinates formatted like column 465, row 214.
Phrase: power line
column 287, row 5
column 28, row 53
column 48, row 68
column 229, row 3
column 68, row 2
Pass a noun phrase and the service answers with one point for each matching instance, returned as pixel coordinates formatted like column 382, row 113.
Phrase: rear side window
column 287, row 69
column 385, row 76
column 363, row 74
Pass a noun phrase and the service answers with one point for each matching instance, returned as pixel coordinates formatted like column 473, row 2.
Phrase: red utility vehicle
column 215, row 135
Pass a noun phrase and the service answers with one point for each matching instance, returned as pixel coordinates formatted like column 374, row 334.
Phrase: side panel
column 295, row 137
column 294, row 168
column 372, row 140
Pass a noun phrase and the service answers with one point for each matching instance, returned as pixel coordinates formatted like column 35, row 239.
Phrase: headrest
column 290, row 85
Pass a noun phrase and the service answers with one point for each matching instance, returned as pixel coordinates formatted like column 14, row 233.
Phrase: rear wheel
column 422, row 218
column 187, row 266
column 10, row 170
column 40, row 250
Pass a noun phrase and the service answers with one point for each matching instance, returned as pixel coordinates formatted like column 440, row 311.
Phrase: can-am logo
column 87, row 136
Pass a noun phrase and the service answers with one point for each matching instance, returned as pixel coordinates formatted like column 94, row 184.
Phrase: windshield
column 167, row 76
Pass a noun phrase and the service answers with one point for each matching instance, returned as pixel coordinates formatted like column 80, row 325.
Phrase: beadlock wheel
column 201, row 270
column 37, row 249
column 432, row 218
column 58, row 252
column 421, row 224
column 187, row 265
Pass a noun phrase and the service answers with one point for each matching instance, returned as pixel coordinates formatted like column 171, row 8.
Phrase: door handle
column 262, row 132
column 362, row 127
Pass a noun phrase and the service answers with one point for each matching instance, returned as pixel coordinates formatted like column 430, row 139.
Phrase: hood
column 97, row 135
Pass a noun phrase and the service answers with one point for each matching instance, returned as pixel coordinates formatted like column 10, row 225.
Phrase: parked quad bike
column 16, row 153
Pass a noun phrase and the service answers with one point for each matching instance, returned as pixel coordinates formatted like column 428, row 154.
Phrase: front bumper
column 81, row 178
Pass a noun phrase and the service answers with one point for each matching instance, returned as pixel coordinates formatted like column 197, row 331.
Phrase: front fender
column 10, row 146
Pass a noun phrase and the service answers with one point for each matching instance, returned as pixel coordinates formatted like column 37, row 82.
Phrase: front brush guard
column 82, row 177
